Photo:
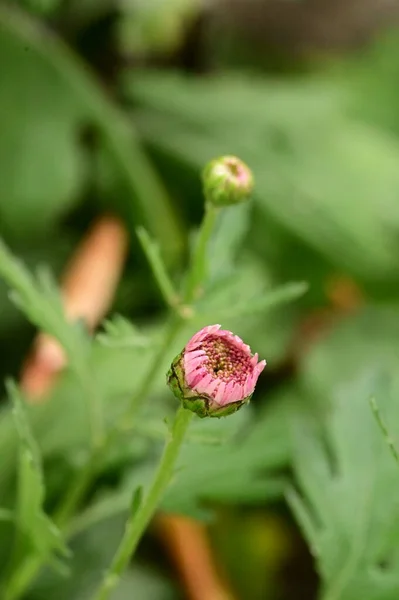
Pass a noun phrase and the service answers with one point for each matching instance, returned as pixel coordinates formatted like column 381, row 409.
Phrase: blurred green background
column 114, row 106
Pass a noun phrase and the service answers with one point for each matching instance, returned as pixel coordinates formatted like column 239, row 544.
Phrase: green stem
column 138, row 521
column 198, row 271
column 384, row 429
column 161, row 275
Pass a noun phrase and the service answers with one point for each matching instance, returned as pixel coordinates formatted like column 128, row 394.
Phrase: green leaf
column 6, row 515
column 92, row 552
column 40, row 300
column 348, row 499
column 36, row 534
column 384, row 429
column 42, row 165
column 121, row 333
column 351, row 500
column 43, row 175
column 263, row 301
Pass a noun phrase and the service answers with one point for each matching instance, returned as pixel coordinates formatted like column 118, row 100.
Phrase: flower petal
column 220, row 394
column 190, row 364
column 194, row 353
column 195, row 376
column 228, row 393
column 202, row 385
column 212, row 388
column 259, row 367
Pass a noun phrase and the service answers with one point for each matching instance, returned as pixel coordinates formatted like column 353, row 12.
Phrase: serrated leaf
column 263, row 301
column 41, row 533
column 36, row 534
column 93, row 550
column 121, row 333
column 348, row 504
column 39, row 298
column 352, row 506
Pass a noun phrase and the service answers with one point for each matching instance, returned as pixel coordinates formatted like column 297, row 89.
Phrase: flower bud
column 227, row 180
column 215, row 374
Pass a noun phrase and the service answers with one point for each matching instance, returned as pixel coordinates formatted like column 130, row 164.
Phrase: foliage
column 81, row 136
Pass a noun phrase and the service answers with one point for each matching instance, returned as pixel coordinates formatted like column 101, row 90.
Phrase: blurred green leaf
column 36, row 534
column 40, row 300
column 92, row 553
column 42, row 166
column 121, row 333
column 348, row 505
column 351, row 499
column 41, row 182
column 263, row 301
column 40, row 7
column 384, row 429
column 6, row 515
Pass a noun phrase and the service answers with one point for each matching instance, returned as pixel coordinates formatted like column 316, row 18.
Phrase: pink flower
column 216, row 373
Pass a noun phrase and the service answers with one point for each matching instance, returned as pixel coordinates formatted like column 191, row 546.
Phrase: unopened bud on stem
column 227, row 180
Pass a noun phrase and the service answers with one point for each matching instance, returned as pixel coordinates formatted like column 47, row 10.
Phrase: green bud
column 227, row 180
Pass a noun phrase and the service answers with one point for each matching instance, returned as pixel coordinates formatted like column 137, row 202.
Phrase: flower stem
column 138, row 521
column 198, row 271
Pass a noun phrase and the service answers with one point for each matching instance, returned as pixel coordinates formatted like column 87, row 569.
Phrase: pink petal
column 197, row 338
column 202, row 385
column 192, row 364
column 212, row 387
column 249, row 386
column 254, row 359
column 259, row 367
column 194, row 353
column 219, row 396
column 237, row 393
column 195, row 376
column 241, row 344
column 228, row 394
